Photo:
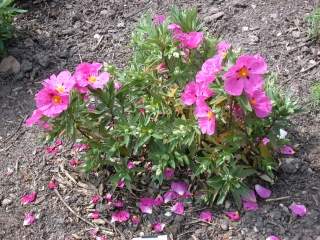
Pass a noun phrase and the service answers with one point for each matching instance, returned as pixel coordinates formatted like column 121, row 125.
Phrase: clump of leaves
column 314, row 23
column 7, row 13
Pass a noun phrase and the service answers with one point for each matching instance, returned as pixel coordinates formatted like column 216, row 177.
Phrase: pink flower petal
column 206, row 216
column 29, row 219
column 121, row 184
column 179, row 187
column 158, row 19
column 135, row 219
column 262, row 191
column 53, row 184
column 118, row 203
column 95, row 199
column 158, row 227
column 146, row 205
column 250, row 206
column 249, row 197
column 169, row 196
column 158, row 201
column 233, row 216
column 102, row 237
column 178, row 208
column 120, row 216
column 265, row 140
column 28, row 198
column 287, row 150
column 168, row 173
column 74, row 162
column 131, row 165
column 108, row 197
column 94, row 215
column 298, row 210
column 272, row 237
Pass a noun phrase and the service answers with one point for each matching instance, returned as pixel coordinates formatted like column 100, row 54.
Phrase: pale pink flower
column 159, row 19
column 178, row 208
column 95, row 199
column 28, row 198
column 63, row 83
column 223, row 47
column 94, row 215
column 158, row 227
column 261, row 103
column 135, row 219
column 206, row 118
column 233, row 216
column 168, row 173
column 287, row 150
column 209, row 69
column 131, row 165
column 121, row 184
column 158, row 201
column 298, row 210
column 250, row 206
column 169, row 196
column 206, row 216
column 175, row 28
column 29, row 219
column 117, row 85
column 146, row 205
column 179, row 187
column 53, row 184
column 265, row 140
column 120, row 216
column 195, row 93
column 245, row 75
column 272, row 237
column 262, row 191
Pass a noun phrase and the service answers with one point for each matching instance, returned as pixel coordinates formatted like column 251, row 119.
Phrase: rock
column 43, row 60
column 224, row 225
column 68, row 6
column 245, row 29
column 26, row 65
column 121, row 24
column 296, row 34
column 213, row 17
column 9, row 65
column 275, row 214
column 253, row 39
column 290, row 165
column 317, row 238
column 227, row 204
column 28, row 42
column 213, row 10
column 104, row 12
column 6, row 202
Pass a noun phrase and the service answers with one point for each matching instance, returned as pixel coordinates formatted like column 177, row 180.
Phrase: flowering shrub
column 186, row 103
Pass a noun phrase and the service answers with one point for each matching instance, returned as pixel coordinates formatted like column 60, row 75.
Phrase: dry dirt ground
column 58, row 34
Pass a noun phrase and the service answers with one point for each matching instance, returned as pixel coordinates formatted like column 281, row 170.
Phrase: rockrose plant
column 187, row 105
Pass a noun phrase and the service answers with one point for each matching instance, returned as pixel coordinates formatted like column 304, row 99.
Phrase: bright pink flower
column 121, row 184
column 108, row 197
column 196, row 93
column 51, row 150
column 175, row 28
column 206, row 119
column 169, row 196
column 29, row 219
column 53, row 184
column 74, row 162
column 223, row 47
column 206, row 216
column 298, row 210
column 158, row 227
column 146, row 205
column 233, row 216
column 272, row 237
column 265, row 140
column 158, row 201
column 95, row 199
column 261, row 103
column 131, row 165
column 287, row 150
column 158, row 19
column 179, row 187
column 62, row 84
column 35, row 118
column 191, row 40
column 178, row 208
column 168, row 173
column 135, row 219
column 262, row 191
column 58, row 142
column 118, row 203
column 245, row 75
column 28, row 198
column 94, row 215
column 249, row 197
column 120, row 216
column 250, row 206
column 88, row 75
column 209, row 70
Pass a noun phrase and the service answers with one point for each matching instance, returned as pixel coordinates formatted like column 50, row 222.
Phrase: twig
column 310, row 68
column 78, row 216
column 17, row 130
column 277, row 199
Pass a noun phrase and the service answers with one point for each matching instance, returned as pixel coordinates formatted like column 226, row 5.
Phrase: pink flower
column 158, row 227
column 272, row 237
column 94, row 215
column 206, row 119
column 206, row 216
column 117, row 85
column 118, row 203
column 209, row 70
column 287, row 150
column 245, row 75
column 28, row 198
column 53, row 184
column 120, row 216
column 262, row 191
column 261, row 103
column 146, row 205
column 178, row 208
column 62, row 84
column 158, row 201
column 179, row 187
column 108, row 197
column 162, row 68
column 265, row 140
column 168, row 173
column 158, row 19
column 131, row 165
column 249, row 197
column 35, row 118
column 250, row 206
column 223, row 47
column 298, row 210
column 95, row 199
column 135, row 219
column 74, row 162
column 191, row 40
column 175, row 28
column 169, row 196
column 29, row 219
column 121, row 184
column 195, row 93
column 52, row 150
column 88, row 75
column 80, row 147
column 233, row 216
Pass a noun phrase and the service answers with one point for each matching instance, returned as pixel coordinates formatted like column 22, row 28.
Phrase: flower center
column 92, row 79
column 56, row 99
column 253, row 101
column 243, row 72
column 60, row 89
column 210, row 115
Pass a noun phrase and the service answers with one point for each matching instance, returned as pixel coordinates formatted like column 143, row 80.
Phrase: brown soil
column 55, row 35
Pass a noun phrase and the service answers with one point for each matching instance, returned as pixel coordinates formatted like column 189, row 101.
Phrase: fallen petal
column 169, row 196
column 206, row 216
column 29, row 219
column 118, row 203
column 108, row 197
column 28, row 198
column 249, row 197
column 95, row 199
column 53, row 184
column 262, row 191
column 298, row 210
column 101, row 237
column 135, row 219
column 179, row 187
column 158, row 201
column 250, row 206
column 178, row 208
column 121, row 183
column 94, row 215
column 131, row 165
column 233, row 216
column 158, row 227
column 272, row 237
column 120, row 216
column 146, row 205
column 287, row 150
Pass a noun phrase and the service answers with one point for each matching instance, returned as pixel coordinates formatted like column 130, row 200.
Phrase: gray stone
column 9, row 65
column 291, row 165
column 26, row 65
column 6, row 202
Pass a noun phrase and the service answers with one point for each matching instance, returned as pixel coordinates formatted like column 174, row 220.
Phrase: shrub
column 7, row 12
column 314, row 22
column 185, row 101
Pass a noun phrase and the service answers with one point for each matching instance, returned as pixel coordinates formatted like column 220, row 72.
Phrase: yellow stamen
column 92, row 79
column 253, row 101
column 60, row 89
column 210, row 115
column 56, row 99
column 243, row 72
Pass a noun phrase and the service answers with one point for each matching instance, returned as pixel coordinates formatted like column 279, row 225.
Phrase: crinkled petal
column 298, row 210
column 206, row 216
column 262, row 191
column 179, row 187
column 178, row 208
column 233, row 86
column 233, row 216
